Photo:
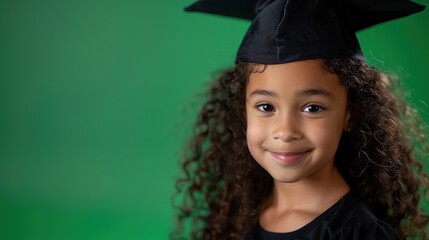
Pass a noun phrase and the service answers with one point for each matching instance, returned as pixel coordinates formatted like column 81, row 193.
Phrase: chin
column 286, row 179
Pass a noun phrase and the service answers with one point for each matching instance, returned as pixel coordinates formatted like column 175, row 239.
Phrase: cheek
column 255, row 138
column 327, row 137
column 254, row 134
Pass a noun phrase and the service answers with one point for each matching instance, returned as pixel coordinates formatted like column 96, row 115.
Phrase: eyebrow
column 316, row 91
column 264, row 93
column 303, row 93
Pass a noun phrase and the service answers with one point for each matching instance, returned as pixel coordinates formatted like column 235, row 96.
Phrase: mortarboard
column 291, row 30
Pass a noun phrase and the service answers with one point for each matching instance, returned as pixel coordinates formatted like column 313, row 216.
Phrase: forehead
column 293, row 76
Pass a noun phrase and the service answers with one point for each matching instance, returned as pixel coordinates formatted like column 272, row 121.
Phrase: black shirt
column 349, row 219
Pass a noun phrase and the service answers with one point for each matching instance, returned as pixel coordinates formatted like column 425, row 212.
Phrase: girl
column 301, row 139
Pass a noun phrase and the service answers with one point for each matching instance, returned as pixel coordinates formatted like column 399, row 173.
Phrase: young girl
column 301, row 139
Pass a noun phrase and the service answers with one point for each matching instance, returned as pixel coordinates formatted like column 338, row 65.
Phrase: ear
column 243, row 118
column 350, row 119
column 348, row 124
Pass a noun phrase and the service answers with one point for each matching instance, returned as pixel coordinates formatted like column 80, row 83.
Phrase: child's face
column 296, row 113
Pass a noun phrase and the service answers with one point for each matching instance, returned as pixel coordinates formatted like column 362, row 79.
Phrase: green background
column 97, row 99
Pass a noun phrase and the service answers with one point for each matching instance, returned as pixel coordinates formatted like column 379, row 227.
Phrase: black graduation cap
column 292, row 30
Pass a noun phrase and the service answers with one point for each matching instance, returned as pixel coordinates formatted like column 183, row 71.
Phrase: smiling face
column 296, row 113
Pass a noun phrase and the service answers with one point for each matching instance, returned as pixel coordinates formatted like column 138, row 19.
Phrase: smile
column 290, row 157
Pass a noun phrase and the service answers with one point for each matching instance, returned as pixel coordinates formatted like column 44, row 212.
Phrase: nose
column 287, row 128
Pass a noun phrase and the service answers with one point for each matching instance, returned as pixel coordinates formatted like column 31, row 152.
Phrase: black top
column 347, row 219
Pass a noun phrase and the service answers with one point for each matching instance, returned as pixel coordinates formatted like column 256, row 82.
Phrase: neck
column 316, row 192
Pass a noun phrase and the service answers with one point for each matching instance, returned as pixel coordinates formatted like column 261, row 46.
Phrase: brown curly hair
column 223, row 187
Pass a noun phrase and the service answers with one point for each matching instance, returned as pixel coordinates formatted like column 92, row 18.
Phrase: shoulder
column 368, row 230
column 353, row 219
column 348, row 219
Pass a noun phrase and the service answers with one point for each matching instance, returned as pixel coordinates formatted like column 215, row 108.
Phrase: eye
column 313, row 108
column 265, row 107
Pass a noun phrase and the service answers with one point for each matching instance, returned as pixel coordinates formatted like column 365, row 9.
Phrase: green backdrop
column 97, row 99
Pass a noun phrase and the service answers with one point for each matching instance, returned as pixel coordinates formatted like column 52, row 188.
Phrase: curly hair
column 223, row 186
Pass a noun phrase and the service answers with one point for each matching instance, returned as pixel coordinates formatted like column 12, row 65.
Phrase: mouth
column 287, row 158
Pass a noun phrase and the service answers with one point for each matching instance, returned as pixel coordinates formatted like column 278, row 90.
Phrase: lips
column 289, row 157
